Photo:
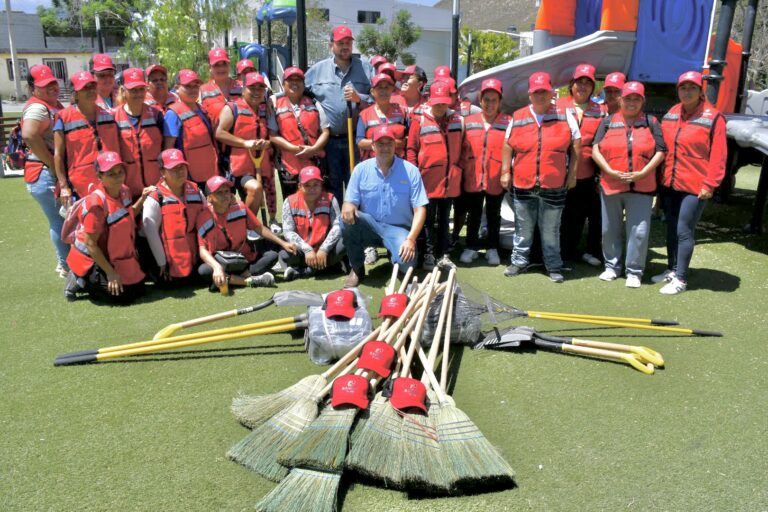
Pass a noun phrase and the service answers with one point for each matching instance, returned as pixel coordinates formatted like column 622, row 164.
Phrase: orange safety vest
column 100, row 101
column 440, row 154
column 83, row 147
column 588, row 125
column 395, row 120
column 116, row 241
column 288, row 127
column 152, row 102
column 311, row 226
column 465, row 108
column 689, row 143
column 227, row 231
column 33, row 166
column 482, row 153
column 178, row 227
column 213, row 100
column 197, row 142
column 540, row 152
column 628, row 150
column 140, row 150
column 248, row 126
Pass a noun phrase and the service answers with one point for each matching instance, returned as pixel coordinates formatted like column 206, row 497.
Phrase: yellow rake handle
column 627, row 319
column 676, row 330
column 644, row 353
column 610, row 355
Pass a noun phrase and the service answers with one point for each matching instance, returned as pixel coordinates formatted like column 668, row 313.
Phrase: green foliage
column 489, row 49
column 393, row 44
column 70, row 17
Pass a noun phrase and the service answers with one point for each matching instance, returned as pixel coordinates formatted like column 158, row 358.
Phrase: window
column 368, row 16
column 23, row 68
column 59, row 68
column 320, row 14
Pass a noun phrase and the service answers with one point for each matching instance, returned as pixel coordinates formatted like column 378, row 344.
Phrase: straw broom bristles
column 303, row 490
column 252, row 411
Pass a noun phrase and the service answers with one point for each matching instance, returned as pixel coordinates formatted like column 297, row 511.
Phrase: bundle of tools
column 409, row 436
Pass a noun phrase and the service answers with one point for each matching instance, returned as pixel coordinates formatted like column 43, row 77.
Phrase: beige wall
column 74, row 62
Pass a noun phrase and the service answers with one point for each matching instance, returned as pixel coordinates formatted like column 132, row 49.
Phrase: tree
column 77, row 17
column 392, row 45
column 757, row 73
column 489, row 49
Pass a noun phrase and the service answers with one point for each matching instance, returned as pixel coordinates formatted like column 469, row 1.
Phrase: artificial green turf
column 151, row 433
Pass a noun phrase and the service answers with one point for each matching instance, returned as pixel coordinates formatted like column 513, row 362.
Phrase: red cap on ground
column 440, row 93
column 442, row 72
column 342, row 32
column 310, row 173
column 350, row 390
column 633, row 88
column 244, row 65
column 293, row 71
column 377, row 60
column 215, row 183
column 107, row 160
column 187, row 76
column 393, row 305
column 102, row 62
column 377, row 356
column 407, row 392
column 539, row 82
column 340, row 303
column 615, row 79
column 382, row 132
column 81, row 79
column 171, row 158
column 156, row 67
column 381, row 77
column 255, row 78
column 490, row 84
column 690, row 76
column 42, row 75
column 587, row 70
column 216, row 55
column 133, row 77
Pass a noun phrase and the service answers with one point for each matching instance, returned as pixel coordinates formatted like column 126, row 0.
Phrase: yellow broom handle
column 678, row 330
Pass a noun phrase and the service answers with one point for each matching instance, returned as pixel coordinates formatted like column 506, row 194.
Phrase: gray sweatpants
column 637, row 209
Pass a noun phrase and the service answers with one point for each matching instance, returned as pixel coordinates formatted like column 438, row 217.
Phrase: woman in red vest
column 158, row 95
column 614, row 82
column 80, row 133
column 539, row 139
column 383, row 112
column 582, row 203
column 104, row 71
column 188, row 128
column 171, row 217
column 103, row 257
column 628, row 147
column 694, row 132
column 311, row 223
column 481, row 160
column 141, row 133
column 220, row 89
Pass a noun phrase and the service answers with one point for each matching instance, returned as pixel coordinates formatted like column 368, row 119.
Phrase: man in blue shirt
column 334, row 82
column 385, row 205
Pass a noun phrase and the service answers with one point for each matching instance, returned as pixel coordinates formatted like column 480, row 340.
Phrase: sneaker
column 429, row 262
column 265, row 279
column 591, row 260
column 673, row 287
column 492, row 257
column 71, row 287
column 63, row 270
column 446, row 263
column 633, row 281
column 275, row 227
column 665, row 277
column 556, row 277
column 354, row 278
column 513, row 270
column 371, row 255
column 290, row 274
column 608, row 275
column 468, row 256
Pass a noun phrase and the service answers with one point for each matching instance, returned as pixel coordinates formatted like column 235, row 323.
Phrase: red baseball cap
column 440, row 93
column 690, row 76
column 187, row 76
column 393, row 305
column 381, row 77
column 442, row 72
column 408, row 392
column 133, row 77
column 377, row 356
column 107, row 160
column 293, row 71
column 102, row 62
column 342, row 32
column 587, row 70
column 310, row 173
column 448, row 80
column 255, row 78
column 378, row 59
column 243, row 65
column 490, row 84
column 156, row 67
column 382, row 132
column 42, row 75
column 615, row 79
column 216, row 182
column 388, row 67
column 216, row 55
column 633, row 88
column 81, row 79
column 350, row 390
column 539, row 82
column 171, row 158
column 340, row 303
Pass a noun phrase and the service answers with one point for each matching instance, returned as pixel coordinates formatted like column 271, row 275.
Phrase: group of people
column 150, row 175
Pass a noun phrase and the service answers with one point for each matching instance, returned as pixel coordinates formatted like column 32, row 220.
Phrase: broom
column 303, row 490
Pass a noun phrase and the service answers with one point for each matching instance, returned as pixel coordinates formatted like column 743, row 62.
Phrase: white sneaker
column 492, row 257
column 275, row 228
column 429, row 262
column 446, row 263
column 468, row 256
column 371, row 255
column 62, row 270
column 591, row 260
column 265, row 279
column 673, row 287
column 665, row 277
column 633, row 281
column 608, row 275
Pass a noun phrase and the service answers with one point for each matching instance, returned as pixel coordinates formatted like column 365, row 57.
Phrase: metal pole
column 269, row 49
column 98, row 34
column 258, row 32
column 290, row 45
column 746, row 51
column 717, row 63
column 301, row 29
column 455, row 40
column 12, row 47
column 469, row 55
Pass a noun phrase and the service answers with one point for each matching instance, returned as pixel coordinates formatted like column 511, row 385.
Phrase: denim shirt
column 326, row 81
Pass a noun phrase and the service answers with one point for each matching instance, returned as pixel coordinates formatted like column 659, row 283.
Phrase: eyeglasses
column 158, row 80
column 105, row 74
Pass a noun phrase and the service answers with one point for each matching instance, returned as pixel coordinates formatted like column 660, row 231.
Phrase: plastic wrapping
column 466, row 326
column 329, row 339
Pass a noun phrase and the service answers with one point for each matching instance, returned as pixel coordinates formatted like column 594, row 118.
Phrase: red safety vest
column 628, row 151
column 33, row 165
column 465, row 108
column 140, row 150
column 100, row 101
column 248, row 126
column 395, row 120
column 288, row 127
column 588, row 125
column 197, row 143
column 311, row 226
column 398, row 99
column 440, row 154
column 152, row 102
column 540, row 151
column 116, row 241
column 689, row 143
column 178, row 227
column 482, row 153
column 227, row 231
column 213, row 100
column 82, row 146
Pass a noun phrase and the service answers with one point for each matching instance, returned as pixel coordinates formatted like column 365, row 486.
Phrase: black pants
column 297, row 260
column 436, row 241
column 473, row 202
column 683, row 211
column 96, row 286
column 263, row 263
column 582, row 205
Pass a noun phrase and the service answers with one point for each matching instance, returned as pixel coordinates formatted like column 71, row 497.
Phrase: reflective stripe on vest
column 237, row 214
column 205, row 228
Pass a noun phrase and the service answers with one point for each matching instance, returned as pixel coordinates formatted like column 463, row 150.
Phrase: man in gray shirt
column 334, row 82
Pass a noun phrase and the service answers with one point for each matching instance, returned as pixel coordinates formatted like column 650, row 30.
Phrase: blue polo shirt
column 389, row 199
column 172, row 126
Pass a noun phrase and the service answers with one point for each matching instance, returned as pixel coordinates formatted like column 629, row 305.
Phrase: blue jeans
column 42, row 191
column 337, row 160
column 683, row 211
column 367, row 232
column 637, row 208
column 542, row 207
